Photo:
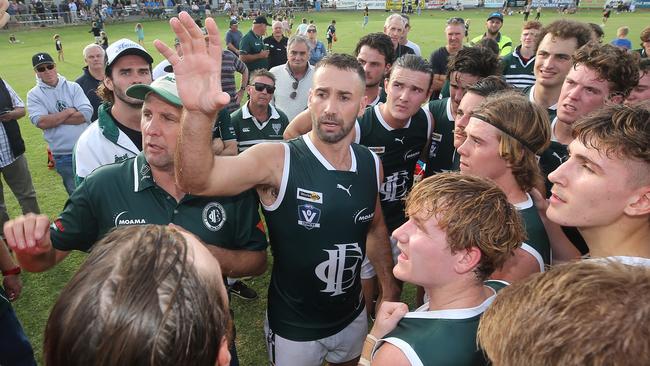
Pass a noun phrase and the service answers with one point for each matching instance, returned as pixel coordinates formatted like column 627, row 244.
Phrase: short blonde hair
column 473, row 212
column 589, row 313
column 524, row 132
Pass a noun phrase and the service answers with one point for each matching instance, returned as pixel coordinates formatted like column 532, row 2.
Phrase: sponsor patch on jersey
column 309, row 196
column 245, row 129
column 377, row 149
column 276, row 127
column 363, row 215
column 436, row 136
column 411, row 154
column 214, row 216
column 121, row 220
column 308, row 217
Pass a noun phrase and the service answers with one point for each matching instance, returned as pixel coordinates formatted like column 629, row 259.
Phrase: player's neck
column 371, row 93
column 526, row 52
column 338, row 154
column 563, row 132
column 127, row 115
column 625, row 237
column 260, row 112
column 510, row 187
column 388, row 117
column 546, row 96
column 460, row 295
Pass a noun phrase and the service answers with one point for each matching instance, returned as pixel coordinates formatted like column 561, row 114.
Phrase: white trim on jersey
column 528, row 203
column 403, row 346
column 450, row 116
column 136, row 176
column 381, row 120
column 553, row 123
column 283, row 183
column 423, row 311
column 531, row 97
column 376, row 100
column 321, row 158
column 429, row 120
column 357, row 131
column 377, row 165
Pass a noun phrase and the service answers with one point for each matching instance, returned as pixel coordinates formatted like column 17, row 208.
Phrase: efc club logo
column 339, row 271
column 214, row 216
column 308, row 217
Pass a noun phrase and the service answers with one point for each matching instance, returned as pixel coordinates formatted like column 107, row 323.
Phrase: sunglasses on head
column 46, row 67
column 261, row 86
column 455, row 20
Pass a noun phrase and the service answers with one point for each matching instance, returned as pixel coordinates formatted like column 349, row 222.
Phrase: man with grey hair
column 293, row 79
column 93, row 74
column 277, row 44
column 394, row 27
column 407, row 42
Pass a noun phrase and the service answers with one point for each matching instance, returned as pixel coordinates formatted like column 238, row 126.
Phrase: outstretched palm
column 198, row 72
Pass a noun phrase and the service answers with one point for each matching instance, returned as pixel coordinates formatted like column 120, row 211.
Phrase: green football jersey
column 552, row 110
column 250, row 131
column 441, row 337
column 317, row 228
column 399, row 150
column 518, row 73
column 551, row 158
column 441, row 151
column 537, row 243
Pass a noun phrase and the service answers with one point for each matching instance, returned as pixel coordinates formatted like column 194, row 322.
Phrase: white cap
column 125, row 47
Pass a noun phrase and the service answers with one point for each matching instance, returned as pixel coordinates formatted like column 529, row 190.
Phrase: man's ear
column 467, row 260
column 108, row 83
column 639, row 204
column 223, row 356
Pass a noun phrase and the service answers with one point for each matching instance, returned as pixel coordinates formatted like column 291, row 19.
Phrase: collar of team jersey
column 531, row 97
column 517, row 54
column 106, row 123
column 450, row 116
column 321, row 158
column 423, row 311
column 246, row 114
column 142, row 176
column 381, row 120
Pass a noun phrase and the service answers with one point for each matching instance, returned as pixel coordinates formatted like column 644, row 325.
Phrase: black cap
column 41, row 58
column 495, row 15
column 233, row 22
column 261, row 20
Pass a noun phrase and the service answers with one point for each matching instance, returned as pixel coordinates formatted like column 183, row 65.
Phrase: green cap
column 164, row 87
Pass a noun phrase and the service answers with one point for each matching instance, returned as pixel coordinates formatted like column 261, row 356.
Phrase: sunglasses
column 455, row 20
column 46, row 67
column 311, row 30
column 294, row 93
column 261, row 86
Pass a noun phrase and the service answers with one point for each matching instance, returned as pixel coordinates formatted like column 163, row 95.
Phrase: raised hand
column 29, row 234
column 198, row 72
column 389, row 314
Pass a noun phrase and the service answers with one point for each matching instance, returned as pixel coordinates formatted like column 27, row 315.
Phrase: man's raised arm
column 198, row 78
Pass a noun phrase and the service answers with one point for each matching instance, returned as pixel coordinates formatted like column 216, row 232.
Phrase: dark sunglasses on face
column 311, row 30
column 46, row 67
column 261, row 86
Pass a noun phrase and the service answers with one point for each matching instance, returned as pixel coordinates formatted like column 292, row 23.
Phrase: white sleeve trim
column 530, row 250
column 406, row 349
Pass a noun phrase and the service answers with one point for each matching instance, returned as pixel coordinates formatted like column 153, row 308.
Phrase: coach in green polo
column 142, row 190
column 251, row 47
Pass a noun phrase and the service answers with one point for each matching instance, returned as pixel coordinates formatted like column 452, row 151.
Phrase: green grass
column 41, row 290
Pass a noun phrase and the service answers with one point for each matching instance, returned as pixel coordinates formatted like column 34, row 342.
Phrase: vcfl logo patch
column 309, row 217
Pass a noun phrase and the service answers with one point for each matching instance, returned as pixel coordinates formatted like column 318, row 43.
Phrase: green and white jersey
column 537, row 243
column 518, row 73
column 551, row 158
column 222, row 128
column 399, row 150
column 250, row 131
column 441, row 151
column 317, row 228
column 381, row 98
column 552, row 110
column 441, row 337
column 126, row 194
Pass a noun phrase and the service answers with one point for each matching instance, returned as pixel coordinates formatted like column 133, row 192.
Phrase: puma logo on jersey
column 560, row 158
column 347, row 190
column 400, row 140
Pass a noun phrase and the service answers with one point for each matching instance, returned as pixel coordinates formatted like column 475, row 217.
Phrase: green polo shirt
column 251, row 44
column 125, row 194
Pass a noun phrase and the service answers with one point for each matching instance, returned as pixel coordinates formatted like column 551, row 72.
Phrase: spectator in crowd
column 139, row 33
column 95, row 30
column 404, row 39
column 258, row 121
column 609, row 155
column 644, row 51
column 557, row 42
column 251, row 47
column 13, row 163
column 72, row 6
column 116, row 136
column 621, row 38
column 301, row 29
column 316, row 48
column 61, row 109
column 493, row 24
column 394, row 27
column 277, row 44
column 59, row 48
column 233, row 37
column 518, row 66
column 93, row 74
column 103, row 40
column 440, row 57
column 460, row 229
column 609, row 334
column 294, row 79
column 186, row 307
column 331, row 35
column 641, row 91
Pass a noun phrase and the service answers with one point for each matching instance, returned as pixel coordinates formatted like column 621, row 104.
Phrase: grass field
column 41, row 290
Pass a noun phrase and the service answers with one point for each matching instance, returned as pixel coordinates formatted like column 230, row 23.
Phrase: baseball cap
column 233, row 22
column 41, row 58
column 125, row 47
column 496, row 14
column 164, row 87
column 261, row 20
